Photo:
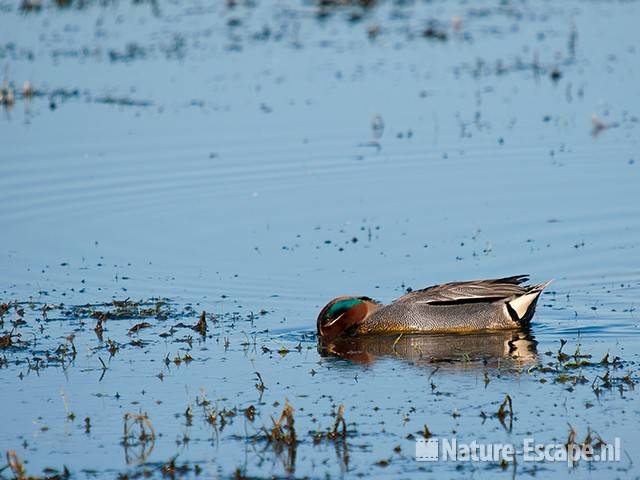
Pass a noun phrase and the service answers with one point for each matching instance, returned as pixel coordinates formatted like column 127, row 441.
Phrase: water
column 262, row 158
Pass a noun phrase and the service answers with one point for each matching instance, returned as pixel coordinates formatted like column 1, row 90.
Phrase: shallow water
column 227, row 169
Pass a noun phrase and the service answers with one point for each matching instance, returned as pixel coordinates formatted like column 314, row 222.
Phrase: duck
column 457, row 307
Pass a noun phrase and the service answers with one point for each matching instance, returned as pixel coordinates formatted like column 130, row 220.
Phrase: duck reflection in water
column 516, row 347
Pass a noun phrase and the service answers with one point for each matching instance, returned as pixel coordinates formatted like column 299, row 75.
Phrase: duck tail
column 522, row 307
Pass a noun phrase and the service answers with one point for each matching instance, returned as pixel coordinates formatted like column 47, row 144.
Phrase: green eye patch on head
column 340, row 307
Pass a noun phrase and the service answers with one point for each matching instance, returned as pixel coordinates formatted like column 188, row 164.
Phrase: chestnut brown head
column 341, row 315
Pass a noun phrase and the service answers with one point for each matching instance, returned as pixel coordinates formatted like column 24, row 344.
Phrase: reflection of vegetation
column 138, row 436
column 506, row 411
column 337, row 435
column 283, row 435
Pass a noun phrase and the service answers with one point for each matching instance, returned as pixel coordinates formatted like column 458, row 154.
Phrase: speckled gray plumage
column 455, row 307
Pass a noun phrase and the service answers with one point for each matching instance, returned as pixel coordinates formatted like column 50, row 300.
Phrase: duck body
column 459, row 307
column 426, row 318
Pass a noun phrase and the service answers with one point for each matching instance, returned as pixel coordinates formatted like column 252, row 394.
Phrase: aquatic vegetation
column 19, row 471
column 283, row 430
column 339, row 430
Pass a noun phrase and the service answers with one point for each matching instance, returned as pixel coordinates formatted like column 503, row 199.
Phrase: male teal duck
column 459, row 307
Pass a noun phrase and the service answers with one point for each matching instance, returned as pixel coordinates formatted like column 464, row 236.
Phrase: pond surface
column 253, row 160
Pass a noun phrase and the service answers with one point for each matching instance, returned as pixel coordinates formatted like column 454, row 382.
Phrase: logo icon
column 427, row 450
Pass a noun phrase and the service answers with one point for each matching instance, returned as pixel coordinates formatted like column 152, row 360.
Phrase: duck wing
column 472, row 291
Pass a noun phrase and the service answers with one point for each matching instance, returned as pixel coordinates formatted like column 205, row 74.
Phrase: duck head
column 341, row 315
